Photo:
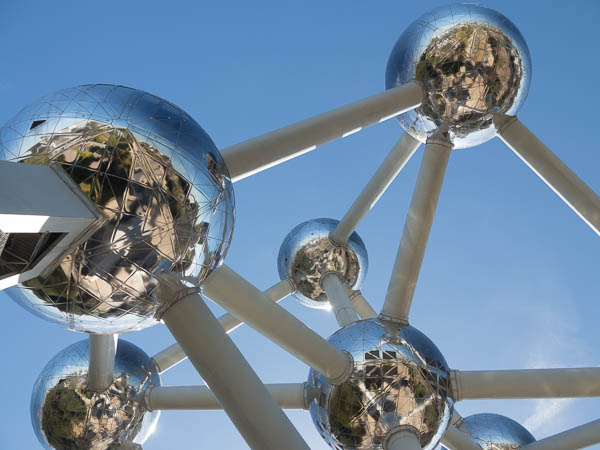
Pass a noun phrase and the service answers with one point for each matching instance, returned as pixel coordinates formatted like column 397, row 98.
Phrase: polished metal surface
column 496, row 432
column 65, row 414
column 157, row 178
column 472, row 61
column 399, row 378
column 307, row 254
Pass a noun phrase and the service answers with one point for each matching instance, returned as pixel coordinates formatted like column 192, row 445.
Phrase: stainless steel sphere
column 307, row 253
column 399, row 378
column 496, row 432
column 472, row 62
column 67, row 415
column 160, row 183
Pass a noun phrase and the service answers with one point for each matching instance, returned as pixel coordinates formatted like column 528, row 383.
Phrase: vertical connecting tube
column 416, row 228
column 339, row 300
column 403, row 437
column 377, row 185
column 547, row 166
column 102, row 350
column 228, row 375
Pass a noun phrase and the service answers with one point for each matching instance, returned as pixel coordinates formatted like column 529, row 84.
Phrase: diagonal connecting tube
column 386, row 173
column 224, row 369
column 547, row 166
column 416, row 228
column 243, row 300
column 260, row 153
column 173, row 355
column 339, row 300
column 579, row 437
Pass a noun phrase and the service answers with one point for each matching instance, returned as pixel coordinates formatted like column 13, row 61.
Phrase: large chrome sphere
column 496, row 432
column 472, row 62
column 65, row 414
column 307, row 254
column 399, row 378
column 157, row 178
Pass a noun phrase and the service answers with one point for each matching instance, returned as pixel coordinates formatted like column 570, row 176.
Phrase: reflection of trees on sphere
column 158, row 180
column 66, row 414
column 496, row 432
column 307, row 254
column 399, row 378
column 472, row 62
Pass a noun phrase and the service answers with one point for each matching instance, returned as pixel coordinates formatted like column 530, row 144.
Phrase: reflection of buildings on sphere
column 496, row 432
column 66, row 414
column 399, row 378
column 159, row 182
column 472, row 62
column 307, row 254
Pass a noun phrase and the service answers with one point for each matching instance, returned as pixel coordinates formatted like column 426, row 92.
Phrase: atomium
column 66, row 414
column 308, row 253
column 460, row 74
column 496, row 432
column 400, row 378
column 472, row 62
column 160, row 183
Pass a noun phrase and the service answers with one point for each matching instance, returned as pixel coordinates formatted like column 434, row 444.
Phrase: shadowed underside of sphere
column 307, row 254
column 496, row 432
column 399, row 378
column 472, row 62
column 160, row 183
column 65, row 414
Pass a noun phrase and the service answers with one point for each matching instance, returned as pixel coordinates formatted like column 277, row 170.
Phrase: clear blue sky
column 511, row 275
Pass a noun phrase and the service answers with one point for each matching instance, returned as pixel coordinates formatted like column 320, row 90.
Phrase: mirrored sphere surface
column 496, row 432
column 160, row 183
column 399, row 378
column 67, row 415
column 307, row 254
column 472, row 62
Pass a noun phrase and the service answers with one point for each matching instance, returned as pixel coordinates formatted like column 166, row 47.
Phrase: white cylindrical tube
column 287, row 395
column 102, row 350
column 361, row 306
column 456, row 439
column 526, row 383
column 377, row 185
column 578, row 437
column 338, row 299
column 403, row 438
column 245, row 301
column 546, row 165
column 173, row 354
column 228, row 375
column 416, row 229
column 260, row 153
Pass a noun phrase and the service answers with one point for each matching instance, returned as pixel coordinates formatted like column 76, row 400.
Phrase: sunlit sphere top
column 496, row 432
column 160, row 183
column 472, row 61
column 65, row 414
column 399, row 378
column 307, row 254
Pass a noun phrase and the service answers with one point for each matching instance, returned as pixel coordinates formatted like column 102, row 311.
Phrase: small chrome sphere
column 496, row 432
column 399, row 378
column 472, row 62
column 160, row 183
column 307, row 254
column 65, row 414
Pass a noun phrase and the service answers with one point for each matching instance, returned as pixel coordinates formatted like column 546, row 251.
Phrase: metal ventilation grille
column 21, row 251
